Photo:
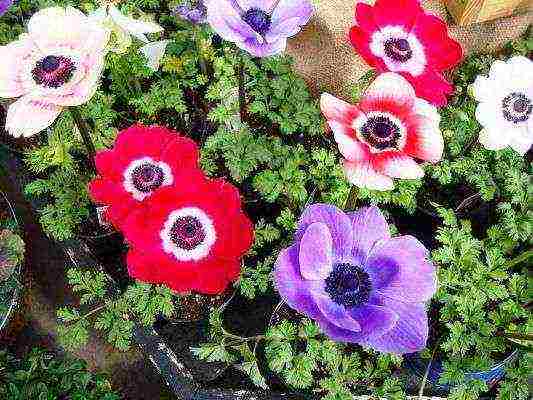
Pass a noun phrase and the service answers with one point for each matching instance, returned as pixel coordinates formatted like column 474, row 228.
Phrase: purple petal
column 410, row 333
column 224, row 18
column 4, row 6
column 336, row 314
column 336, row 333
column 338, row 223
column 316, row 260
column 369, row 226
column 290, row 284
column 375, row 320
column 262, row 48
column 265, row 5
column 289, row 9
column 415, row 279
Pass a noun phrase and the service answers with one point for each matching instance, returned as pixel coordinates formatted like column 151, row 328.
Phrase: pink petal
column 316, row 252
column 363, row 175
column 58, row 27
column 425, row 141
column 14, row 57
column 397, row 165
column 391, row 85
column 30, row 115
column 351, row 148
column 335, row 109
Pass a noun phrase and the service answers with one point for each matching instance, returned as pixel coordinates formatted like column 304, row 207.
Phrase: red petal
column 214, row 277
column 443, row 52
column 397, row 12
column 361, row 42
column 181, row 152
column 106, row 164
column 431, row 86
column 365, row 18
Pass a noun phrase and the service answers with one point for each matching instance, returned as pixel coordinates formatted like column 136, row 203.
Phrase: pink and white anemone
column 57, row 64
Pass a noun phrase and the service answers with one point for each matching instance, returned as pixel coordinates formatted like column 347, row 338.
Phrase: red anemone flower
column 143, row 159
column 399, row 36
column 189, row 236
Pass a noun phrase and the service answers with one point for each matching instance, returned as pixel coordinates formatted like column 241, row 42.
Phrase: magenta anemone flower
column 4, row 6
column 360, row 284
column 261, row 27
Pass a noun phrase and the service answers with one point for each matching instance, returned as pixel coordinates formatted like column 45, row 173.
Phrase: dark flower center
column 258, row 19
column 398, row 49
column 53, row 71
column 517, row 107
column 381, row 133
column 348, row 285
column 147, row 177
column 187, row 233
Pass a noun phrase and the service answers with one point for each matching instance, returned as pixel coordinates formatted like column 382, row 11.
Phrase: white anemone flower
column 505, row 107
column 124, row 28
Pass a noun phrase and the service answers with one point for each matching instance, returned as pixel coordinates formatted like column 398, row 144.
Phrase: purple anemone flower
column 261, row 27
column 4, row 6
column 361, row 285
column 193, row 11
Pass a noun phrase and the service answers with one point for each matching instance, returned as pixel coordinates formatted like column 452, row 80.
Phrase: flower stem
column 242, row 89
column 519, row 336
column 351, row 201
column 84, row 130
column 520, row 258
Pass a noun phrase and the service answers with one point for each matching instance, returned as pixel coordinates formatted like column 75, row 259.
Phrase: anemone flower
column 399, row 36
column 260, row 27
column 190, row 236
column 57, row 64
column 382, row 137
column 505, row 107
column 361, row 285
column 144, row 159
column 125, row 27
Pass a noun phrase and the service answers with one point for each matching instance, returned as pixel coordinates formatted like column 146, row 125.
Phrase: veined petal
column 363, row 175
column 336, row 314
column 29, row 116
column 351, row 148
column 335, row 109
column 425, row 141
column 369, row 227
column 391, row 85
column 316, row 252
column 14, row 56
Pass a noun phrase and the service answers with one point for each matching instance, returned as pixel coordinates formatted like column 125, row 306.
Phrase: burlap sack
column 325, row 58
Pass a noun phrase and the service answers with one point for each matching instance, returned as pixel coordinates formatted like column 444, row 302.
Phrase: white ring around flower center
column 416, row 64
column 202, row 249
column 129, row 184
column 360, row 122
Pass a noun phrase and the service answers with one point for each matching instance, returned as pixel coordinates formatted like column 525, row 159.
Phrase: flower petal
column 351, row 148
column 397, row 165
column 396, row 12
column 154, row 52
column 135, row 27
column 369, row 227
column 14, row 57
column 29, row 116
column 416, row 279
column 522, row 139
column 336, row 314
column 432, row 87
column 374, row 320
column 425, row 141
column 58, row 27
column 337, row 222
column 337, row 110
column 409, row 334
column 494, row 138
column 316, row 252
column 363, row 175
column 225, row 19
column 391, row 85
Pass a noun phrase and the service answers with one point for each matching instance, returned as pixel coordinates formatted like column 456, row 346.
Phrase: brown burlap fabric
column 325, row 58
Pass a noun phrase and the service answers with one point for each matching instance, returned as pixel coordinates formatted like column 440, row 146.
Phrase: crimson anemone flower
column 399, row 36
column 189, row 236
column 143, row 159
column 385, row 133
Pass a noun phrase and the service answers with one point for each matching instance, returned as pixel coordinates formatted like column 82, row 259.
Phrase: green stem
column 201, row 59
column 84, row 130
column 242, row 89
column 351, row 201
column 520, row 258
column 519, row 336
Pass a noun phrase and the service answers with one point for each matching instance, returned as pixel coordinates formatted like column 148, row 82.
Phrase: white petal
column 361, row 174
column 154, row 52
column 350, row 148
column 522, row 139
column 423, row 107
column 494, row 138
column 14, row 57
column 393, row 85
column 29, row 116
column 134, row 26
column 338, row 110
column 400, row 166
